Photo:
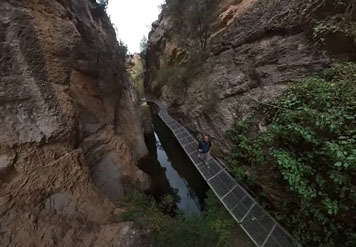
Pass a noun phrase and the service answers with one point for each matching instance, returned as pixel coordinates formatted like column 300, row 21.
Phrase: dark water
column 172, row 171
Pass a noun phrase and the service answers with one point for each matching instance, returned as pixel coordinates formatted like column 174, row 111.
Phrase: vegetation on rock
column 103, row 3
column 331, row 30
column 303, row 160
column 309, row 152
column 193, row 18
column 191, row 22
column 213, row 228
column 136, row 73
column 143, row 46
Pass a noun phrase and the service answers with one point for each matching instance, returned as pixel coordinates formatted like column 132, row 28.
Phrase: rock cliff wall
column 255, row 48
column 70, row 128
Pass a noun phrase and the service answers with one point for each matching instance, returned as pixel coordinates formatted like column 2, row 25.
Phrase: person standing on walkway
column 204, row 149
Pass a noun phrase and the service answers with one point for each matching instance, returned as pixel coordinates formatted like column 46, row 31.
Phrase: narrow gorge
column 272, row 83
column 71, row 127
column 86, row 160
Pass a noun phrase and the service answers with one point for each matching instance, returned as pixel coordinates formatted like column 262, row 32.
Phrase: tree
column 200, row 18
column 103, row 3
column 194, row 17
column 143, row 45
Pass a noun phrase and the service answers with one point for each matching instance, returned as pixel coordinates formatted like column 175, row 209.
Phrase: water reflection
column 172, row 171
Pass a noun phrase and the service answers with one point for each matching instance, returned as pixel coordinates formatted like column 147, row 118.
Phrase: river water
column 172, row 171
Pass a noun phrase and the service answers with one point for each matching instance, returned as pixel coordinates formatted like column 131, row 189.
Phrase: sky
column 133, row 19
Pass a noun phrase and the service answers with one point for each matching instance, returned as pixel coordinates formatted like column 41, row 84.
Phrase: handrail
column 259, row 225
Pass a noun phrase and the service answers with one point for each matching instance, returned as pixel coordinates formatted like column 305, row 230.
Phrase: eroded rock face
column 255, row 49
column 71, row 132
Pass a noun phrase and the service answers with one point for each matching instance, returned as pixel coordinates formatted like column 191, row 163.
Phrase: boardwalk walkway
column 263, row 230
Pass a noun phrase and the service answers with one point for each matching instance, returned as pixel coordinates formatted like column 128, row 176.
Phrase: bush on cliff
column 193, row 20
column 211, row 229
column 102, row 5
column 308, row 155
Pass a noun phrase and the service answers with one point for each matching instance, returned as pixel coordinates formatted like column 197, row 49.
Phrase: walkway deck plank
column 263, row 230
column 186, row 140
column 233, row 197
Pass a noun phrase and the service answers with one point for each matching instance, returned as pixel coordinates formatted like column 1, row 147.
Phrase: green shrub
column 174, row 76
column 339, row 22
column 309, row 154
column 103, row 3
column 143, row 46
column 210, row 229
column 193, row 19
column 137, row 74
column 101, row 6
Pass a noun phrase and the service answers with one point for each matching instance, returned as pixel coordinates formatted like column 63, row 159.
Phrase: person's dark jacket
column 204, row 146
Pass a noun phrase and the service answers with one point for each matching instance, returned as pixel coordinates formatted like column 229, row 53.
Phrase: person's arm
column 211, row 145
column 200, row 147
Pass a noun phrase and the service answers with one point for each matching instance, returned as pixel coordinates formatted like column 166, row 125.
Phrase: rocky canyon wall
column 215, row 63
column 70, row 128
column 255, row 48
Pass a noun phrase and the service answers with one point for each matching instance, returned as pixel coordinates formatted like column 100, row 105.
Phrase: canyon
column 255, row 49
column 71, row 127
column 74, row 131
column 247, row 73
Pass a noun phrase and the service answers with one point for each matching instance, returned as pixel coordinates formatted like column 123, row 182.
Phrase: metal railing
column 259, row 225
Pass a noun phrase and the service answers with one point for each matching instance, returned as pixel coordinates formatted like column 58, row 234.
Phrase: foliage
column 210, row 229
column 191, row 22
column 143, row 46
column 102, row 5
column 122, row 50
column 219, row 220
column 200, row 17
column 137, row 74
column 180, row 75
column 174, row 75
column 309, row 151
column 332, row 27
column 341, row 24
column 193, row 18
